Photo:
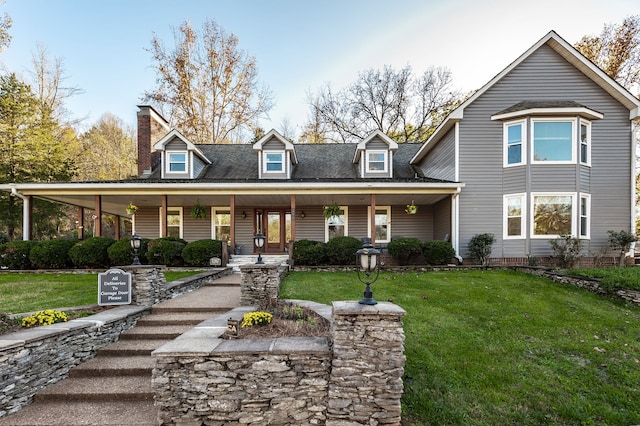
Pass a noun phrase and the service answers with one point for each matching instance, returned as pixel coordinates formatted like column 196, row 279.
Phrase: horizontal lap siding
column 419, row 225
column 440, row 162
column 544, row 75
column 379, row 145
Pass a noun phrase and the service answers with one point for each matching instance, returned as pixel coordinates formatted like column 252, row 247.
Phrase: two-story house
column 544, row 149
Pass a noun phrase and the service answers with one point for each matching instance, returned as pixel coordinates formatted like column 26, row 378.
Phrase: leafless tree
column 206, row 86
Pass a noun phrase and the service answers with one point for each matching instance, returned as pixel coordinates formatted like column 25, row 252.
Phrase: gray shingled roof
column 316, row 162
column 524, row 105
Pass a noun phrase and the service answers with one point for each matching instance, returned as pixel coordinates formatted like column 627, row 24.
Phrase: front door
column 275, row 225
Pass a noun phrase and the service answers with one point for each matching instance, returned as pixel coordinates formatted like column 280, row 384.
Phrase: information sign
column 114, row 287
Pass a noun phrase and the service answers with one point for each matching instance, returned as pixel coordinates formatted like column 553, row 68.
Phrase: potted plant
column 198, row 211
column 411, row 208
column 131, row 209
column 331, row 210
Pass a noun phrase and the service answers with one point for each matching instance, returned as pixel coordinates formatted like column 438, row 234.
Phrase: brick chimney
column 151, row 128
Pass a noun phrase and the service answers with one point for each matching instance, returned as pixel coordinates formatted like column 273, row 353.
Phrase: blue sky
column 299, row 45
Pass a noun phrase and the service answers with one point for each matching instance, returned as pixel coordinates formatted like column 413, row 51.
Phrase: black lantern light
column 367, row 262
column 258, row 240
column 136, row 242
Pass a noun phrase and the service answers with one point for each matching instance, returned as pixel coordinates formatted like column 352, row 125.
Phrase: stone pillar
column 148, row 285
column 365, row 385
column 260, row 284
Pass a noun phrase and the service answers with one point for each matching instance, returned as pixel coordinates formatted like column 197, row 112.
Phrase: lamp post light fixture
column 136, row 242
column 258, row 240
column 368, row 264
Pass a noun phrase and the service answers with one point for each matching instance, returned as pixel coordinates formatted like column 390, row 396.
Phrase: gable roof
column 570, row 54
column 288, row 146
column 362, row 145
column 160, row 145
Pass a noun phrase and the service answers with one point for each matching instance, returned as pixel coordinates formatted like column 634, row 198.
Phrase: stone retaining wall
column 33, row 358
column 353, row 378
column 261, row 283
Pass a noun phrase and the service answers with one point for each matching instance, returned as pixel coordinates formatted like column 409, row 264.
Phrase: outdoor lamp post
column 136, row 242
column 367, row 262
column 258, row 240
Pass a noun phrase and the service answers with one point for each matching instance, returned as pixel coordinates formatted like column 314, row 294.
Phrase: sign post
column 114, row 287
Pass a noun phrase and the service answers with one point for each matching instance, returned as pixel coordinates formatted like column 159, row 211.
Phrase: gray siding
column 544, row 75
column 377, row 144
column 274, row 144
column 176, row 144
column 442, row 219
column 147, row 222
column 440, row 162
column 198, row 166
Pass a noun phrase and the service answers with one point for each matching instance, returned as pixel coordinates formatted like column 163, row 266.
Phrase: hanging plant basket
column 131, row 209
column 411, row 208
column 331, row 210
column 198, row 211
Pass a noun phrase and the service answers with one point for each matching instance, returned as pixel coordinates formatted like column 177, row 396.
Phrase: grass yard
column 502, row 347
column 32, row 292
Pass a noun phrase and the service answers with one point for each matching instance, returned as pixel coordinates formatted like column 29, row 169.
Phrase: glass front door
column 275, row 225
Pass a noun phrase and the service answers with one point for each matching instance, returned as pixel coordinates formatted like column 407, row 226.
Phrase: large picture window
column 552, row 215
column 553, row 141
column 338, row 225
column 514, row 216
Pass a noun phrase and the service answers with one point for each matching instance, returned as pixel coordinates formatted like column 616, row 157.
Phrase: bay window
column 553, row 141
column 552, row 215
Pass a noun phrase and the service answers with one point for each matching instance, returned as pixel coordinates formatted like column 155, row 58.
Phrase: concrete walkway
column 114, row 388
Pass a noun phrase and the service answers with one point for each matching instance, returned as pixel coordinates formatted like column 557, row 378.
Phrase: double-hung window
column 514, row 143
column 514, row 216
column 585, row 216
column 176, row 162
column 273, row 161
column 553, row 141
column 585, row 142
column 376, row 161
column 382, row 223
column 221, row 223
column 174, row 222
column 338, row 225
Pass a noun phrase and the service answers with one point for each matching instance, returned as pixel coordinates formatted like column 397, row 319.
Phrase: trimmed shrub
column 121, row 253
column 91, row 253
column 480, row 247
column 52, row 254
column 309, row 253
column 566, row 250
column 15, row 254
column 405, row 249
column 198, row 253
column 342, row 250
column 438, row 252
column 166, row 251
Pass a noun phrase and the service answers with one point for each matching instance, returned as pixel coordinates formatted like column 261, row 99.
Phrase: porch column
column 293, row 218
column 163, row 217
column 97, row 229
column 116, row 228
column 232, row 222
column 27, row 217
column 372, row 219
column 80, row 223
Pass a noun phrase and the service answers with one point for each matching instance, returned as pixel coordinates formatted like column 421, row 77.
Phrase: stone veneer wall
column 33, row 358
column 261, row 283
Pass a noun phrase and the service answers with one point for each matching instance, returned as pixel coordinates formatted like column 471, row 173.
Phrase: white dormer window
column 176, row 162
column 376, row 161
column 273, row 161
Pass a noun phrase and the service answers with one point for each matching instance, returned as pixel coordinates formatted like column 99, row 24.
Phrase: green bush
column 52, row 254
column 166, row 251
column 438, row 252
column 480, row 247
column 15, row 255
column 405, row 249
column 91, row 253
column 198, row 253
column 309, row 253
column 566, row 250
column 342, row 250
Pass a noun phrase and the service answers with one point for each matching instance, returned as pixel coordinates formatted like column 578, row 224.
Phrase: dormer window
column 376, row 161
column 273, row 161
column 176, row 162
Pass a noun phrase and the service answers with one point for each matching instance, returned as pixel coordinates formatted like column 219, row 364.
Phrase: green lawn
column 501, row 347
column 32, row 292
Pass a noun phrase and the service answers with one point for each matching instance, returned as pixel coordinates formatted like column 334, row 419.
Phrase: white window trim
column 523, row 216
column 587, row 197
column 574, row 139
column 388, row 209
column 523, row 148
column 265, row 162
column 172, row 209
column 574, row 214
column 385, row 161
column 345, row 209
column 168, row 163
column 214, row 210
column 588, row 124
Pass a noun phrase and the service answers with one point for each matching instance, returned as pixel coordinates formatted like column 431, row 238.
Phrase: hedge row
column 103, row 252
column 341, row 251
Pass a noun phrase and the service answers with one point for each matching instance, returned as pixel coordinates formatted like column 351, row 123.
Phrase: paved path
column 114, row 388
